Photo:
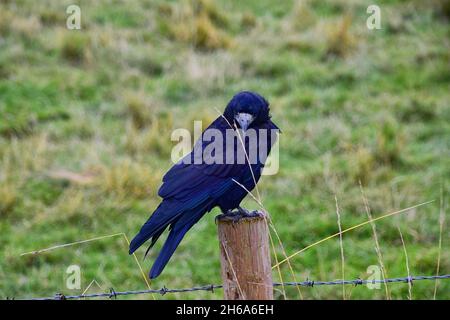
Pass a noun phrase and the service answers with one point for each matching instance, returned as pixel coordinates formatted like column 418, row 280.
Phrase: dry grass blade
column 377, row 244
column 272, row 226
column 90, row 285
column 407, row 265
column 441, row 228
column 139, row 265
column 234, row 272
column 259, row 202
column 283, row 291
column 341, row 246
column 91, row 240
column 259, row 199
column 349, row 229
column 70, row 244
column 245, row 152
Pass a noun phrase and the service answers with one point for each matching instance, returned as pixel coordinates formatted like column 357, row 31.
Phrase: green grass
column 86, row 118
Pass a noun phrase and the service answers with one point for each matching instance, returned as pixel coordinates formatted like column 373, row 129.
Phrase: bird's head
column 247, row 109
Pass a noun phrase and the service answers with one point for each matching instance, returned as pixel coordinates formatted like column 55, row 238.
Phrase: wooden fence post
column 245, row 258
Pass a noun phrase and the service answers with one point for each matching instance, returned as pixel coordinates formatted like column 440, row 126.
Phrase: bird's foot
column 239, row 213
column 247, row 213
column 229, row 214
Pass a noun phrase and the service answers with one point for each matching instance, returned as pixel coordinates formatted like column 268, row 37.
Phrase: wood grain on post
column 245, row 258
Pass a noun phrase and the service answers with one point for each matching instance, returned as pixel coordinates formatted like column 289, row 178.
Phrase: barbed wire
column 308, row 283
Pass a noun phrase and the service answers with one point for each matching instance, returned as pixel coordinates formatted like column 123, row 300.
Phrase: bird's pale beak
column 244, row 120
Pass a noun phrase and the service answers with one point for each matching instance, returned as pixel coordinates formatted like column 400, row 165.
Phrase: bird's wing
column 196, row 191
column 188, row 179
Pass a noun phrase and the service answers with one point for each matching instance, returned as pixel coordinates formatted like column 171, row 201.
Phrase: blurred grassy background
column 86, row 118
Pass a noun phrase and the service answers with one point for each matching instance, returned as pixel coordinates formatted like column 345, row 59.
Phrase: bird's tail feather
column 177, row 231
column 154, row 227
column 172, row 242
column 180, row 222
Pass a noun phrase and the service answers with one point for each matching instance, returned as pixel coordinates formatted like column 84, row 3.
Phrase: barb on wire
column 211, row 287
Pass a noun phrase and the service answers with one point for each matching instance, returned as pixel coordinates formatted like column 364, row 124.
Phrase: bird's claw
column 238, row 214
column 229, row 213
column 247, row 213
